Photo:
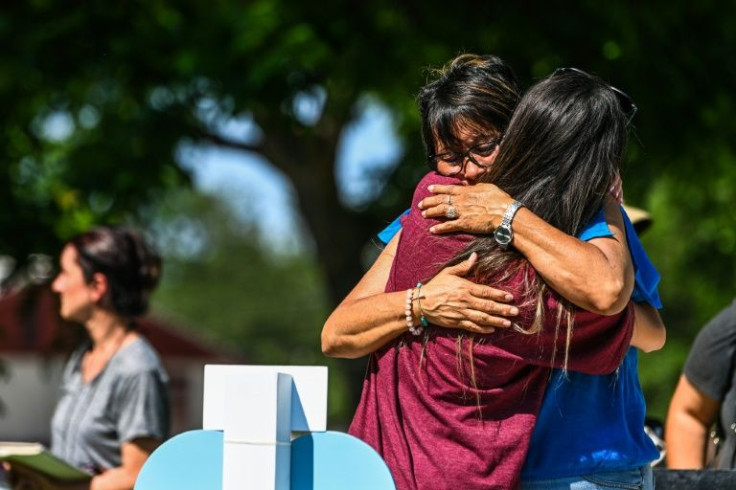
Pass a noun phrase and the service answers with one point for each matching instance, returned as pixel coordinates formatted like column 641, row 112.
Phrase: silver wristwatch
column 503, row 234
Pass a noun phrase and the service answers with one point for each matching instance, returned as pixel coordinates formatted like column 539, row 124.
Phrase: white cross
column 257, row 408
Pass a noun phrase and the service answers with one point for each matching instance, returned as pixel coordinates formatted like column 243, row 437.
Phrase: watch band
column 508, row 216
column 504, row 235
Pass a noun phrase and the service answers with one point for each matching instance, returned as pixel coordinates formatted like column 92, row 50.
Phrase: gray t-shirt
column 127, row 400
column 711, row 368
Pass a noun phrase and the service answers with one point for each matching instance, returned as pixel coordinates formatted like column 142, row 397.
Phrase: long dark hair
column 560, row 153
column 130, row 264
column 472, row 92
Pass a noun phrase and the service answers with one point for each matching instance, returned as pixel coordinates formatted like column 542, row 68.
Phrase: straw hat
column 641, row 219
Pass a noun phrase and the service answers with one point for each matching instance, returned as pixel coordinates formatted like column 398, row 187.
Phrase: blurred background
column 262, row 144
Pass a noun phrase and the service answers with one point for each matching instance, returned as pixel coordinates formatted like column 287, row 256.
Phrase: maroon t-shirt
column 419, row 409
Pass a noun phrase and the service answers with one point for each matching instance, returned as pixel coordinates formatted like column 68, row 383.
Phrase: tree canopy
column 98, row 98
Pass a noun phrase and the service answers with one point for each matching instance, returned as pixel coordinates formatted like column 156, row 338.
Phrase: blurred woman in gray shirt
column 114, row 409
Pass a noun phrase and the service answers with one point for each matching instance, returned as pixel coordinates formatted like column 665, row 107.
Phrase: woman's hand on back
column 451, row 301
column 369, row 318
column 479, row 208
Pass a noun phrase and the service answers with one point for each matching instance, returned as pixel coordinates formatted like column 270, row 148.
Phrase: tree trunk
column 340, row 234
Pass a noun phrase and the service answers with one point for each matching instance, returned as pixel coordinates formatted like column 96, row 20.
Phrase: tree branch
column 220, row 140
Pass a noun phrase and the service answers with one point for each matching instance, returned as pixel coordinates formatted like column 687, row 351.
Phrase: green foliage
column 97, row 98
column 220, row 279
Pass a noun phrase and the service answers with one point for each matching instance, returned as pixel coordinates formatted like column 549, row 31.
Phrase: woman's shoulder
column 719, row 334
column 139, row 357
column 709, row 365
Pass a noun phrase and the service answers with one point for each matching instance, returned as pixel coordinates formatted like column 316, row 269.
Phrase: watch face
column 503, row 235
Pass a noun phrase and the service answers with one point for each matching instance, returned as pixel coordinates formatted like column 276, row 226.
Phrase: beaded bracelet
column 410, row 295
column 422, row 319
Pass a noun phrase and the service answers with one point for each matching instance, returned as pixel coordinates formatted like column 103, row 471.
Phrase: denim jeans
column 637, row 479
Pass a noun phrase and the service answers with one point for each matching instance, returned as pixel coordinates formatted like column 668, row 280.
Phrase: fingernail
column 431, row 230
column 430, row 188
column 506, row 323
column 509, row 297
column 514, row 310
column 424, row 214
column 419, row 205
column 491, row 330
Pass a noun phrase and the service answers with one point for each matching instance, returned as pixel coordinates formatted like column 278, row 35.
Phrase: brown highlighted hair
column 472, row 92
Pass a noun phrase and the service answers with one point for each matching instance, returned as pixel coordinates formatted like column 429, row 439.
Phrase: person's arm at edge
column 689, row 418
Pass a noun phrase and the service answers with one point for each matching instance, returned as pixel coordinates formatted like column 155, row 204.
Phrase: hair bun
column 131, row 265
column 149, row 269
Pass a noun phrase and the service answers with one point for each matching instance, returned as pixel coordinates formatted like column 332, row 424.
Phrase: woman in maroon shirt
column 451, row 410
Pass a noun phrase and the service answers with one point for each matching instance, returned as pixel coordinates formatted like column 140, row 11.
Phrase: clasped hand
column 451, row 301
column 479, row 208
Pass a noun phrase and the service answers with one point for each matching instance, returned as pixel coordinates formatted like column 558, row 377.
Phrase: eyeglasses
column 627, row 105
column 481, row 155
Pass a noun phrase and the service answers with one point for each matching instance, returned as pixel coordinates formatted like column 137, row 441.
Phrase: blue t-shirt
column 588, row 424
column 391, row 230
